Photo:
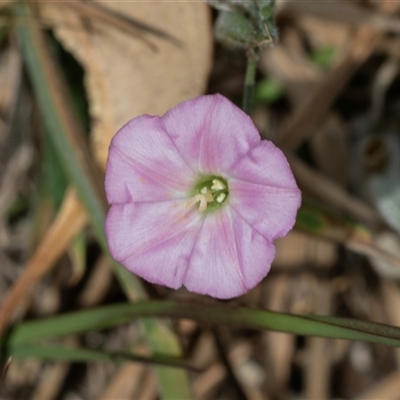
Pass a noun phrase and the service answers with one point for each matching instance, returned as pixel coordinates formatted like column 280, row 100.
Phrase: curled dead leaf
column 125, row 76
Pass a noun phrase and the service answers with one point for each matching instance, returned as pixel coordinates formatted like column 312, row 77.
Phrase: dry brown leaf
column 125, row 77
column 70, row 220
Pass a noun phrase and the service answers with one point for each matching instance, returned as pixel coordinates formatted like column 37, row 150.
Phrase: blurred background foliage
column 75, row 324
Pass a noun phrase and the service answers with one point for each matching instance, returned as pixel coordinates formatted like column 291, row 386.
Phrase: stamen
column 221, row 197
column 198, row 198
column 217, row 185
column 209, row 193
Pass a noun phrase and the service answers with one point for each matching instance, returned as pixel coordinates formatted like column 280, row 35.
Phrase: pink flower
column 197, row 198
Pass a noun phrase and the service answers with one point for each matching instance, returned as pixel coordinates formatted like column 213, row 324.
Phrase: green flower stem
column 249, row 81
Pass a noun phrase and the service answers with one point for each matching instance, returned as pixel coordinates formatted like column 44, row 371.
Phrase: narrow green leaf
column 67, row 135
column 53, row 179
column 81, row 354
column 323, row 223
column 159, row 337
column 64, row 129
column 104, row 317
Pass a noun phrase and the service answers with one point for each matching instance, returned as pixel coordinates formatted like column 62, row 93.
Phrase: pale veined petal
column 210, row 132
column 264, row 192
column 145, row 165
column 264, row 164
column 153, row 240
column 269, row 210
column 229, row 257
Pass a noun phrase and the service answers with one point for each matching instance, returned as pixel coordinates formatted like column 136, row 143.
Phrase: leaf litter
column 313, row 120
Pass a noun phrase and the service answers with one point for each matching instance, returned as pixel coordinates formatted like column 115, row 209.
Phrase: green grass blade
column 104, row 317
column 67, row 138
column 158, row 343
column 62, row 125
column 329, row 225
column 53, row 352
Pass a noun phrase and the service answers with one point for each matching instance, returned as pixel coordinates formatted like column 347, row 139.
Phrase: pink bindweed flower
column 197, row 198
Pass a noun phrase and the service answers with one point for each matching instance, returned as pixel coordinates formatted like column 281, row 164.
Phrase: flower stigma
column 210, row 192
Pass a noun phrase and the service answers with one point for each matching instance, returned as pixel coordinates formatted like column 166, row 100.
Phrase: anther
column 217, row 185
column 220, row 198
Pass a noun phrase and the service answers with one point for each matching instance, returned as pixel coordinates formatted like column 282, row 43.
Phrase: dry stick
column 315, row 183
column 307, row 115
column 126, row 380
column 221, row 347
column 206, row 383
column 279, row 347
column 384, row 78
column 149, row 389
column 321, row 187
column 304, row 120
column 4, row 369
column 98, row 283
column 391, row 303
column 50, row 248
column 318, row 363
column 50, row 381
column 347, row 12
column 388, row 389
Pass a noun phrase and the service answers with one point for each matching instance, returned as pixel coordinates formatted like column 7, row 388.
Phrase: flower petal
column 153, row 240
column 264, row 192
column 210, row 132
column 229, row 257
column 145, row 165
column 265, row 164
column 271, row 211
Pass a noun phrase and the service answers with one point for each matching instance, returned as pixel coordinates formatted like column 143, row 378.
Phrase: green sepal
column 248, row 25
